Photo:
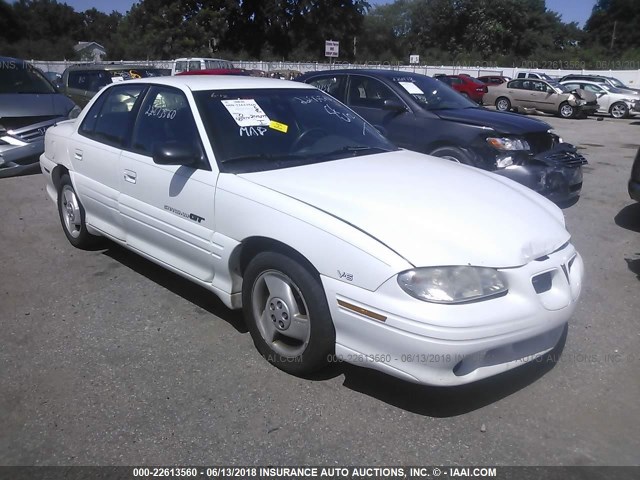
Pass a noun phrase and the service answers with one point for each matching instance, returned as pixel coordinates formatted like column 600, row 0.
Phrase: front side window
column 110, row 119
column 165, row 117
column 333, row 85
column 266, row 129
column 368, row 92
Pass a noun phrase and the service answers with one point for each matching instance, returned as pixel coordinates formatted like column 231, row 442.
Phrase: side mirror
column 175, row 153
column 394, row 105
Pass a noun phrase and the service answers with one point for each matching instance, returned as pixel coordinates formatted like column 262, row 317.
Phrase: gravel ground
column 107, row 359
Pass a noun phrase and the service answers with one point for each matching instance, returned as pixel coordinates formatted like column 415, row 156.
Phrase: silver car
column 29, row 104
column 616, row 102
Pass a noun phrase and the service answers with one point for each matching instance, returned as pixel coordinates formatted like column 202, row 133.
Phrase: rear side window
column 515, row 84
column 110, row 119
column 195, row 65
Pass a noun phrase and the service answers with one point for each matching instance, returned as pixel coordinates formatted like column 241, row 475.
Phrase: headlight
column 75, row 111
column 558, row 137
column 506, row 143
column 581, row 102
column 629, row 100
column 452, row 284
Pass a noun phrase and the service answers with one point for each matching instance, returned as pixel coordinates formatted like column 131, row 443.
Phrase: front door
column 367, row 96
column 168, row 210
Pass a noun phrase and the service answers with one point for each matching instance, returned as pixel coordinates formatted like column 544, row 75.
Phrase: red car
column 467, row 86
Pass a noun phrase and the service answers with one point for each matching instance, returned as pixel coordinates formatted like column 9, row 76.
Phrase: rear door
column 95, row 155
column 168, row 210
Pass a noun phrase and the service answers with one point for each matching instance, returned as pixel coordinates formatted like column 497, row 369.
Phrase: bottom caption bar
column 328, row 473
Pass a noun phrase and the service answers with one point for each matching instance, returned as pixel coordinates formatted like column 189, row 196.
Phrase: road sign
column 331, row 48
column 414, row 59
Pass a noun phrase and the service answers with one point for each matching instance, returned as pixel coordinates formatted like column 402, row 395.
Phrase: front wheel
column 619, row 110
column 455, row 154
column 72, row 216
column 287, row 313
column 503, row 104
column 566, row 110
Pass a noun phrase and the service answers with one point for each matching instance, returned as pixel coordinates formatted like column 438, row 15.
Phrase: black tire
column 456, row 154
column 503, row 104
column 265, row 304
column 619, row 110
column 566, row 111
column 72, row 216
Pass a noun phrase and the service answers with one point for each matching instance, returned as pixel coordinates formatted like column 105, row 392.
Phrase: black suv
column 423, row 114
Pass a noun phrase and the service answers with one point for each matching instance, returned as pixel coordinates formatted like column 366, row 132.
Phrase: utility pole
column 613, row 35
column 355, row 40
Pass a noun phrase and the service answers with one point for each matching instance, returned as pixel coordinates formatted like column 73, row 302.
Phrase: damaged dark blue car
column 419, row 113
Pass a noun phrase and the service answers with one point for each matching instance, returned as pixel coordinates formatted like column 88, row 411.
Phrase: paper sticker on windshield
column 412, row 88
column 246, row 112
column 281, row 127
column 117, row 79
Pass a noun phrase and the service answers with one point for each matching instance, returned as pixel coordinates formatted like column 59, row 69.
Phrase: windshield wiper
column 353, row 150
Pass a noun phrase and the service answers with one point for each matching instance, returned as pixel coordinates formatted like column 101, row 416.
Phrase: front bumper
column 449, row 345
column 555, row 174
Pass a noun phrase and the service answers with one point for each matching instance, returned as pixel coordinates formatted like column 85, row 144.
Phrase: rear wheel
column 72, row 216
column 566, row 110
column 503, row 104
column 619, row 110
column 287, row 313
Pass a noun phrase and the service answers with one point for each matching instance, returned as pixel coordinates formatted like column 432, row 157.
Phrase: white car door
column 168, row 210
column 95, row 155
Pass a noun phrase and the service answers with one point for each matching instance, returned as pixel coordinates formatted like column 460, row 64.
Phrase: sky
column 571, row 10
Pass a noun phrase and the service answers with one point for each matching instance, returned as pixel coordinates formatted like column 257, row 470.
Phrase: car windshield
column 561, row 88
column 23, row 78
column 432, row 94
column 617, row 83
column 266, row 129
column 475, row 80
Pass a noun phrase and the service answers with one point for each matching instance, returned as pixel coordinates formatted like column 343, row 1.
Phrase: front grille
column 567, row 159
column 31, row 135
column 540, row 142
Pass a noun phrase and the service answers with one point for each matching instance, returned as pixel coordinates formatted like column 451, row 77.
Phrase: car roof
column 113, row 66
column 220, row 82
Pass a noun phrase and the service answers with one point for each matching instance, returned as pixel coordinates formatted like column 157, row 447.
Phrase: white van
column 188, row 64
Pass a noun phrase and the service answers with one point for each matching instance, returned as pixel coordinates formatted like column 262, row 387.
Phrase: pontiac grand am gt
column 285, row 203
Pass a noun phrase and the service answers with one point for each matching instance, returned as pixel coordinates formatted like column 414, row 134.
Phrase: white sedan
column 336, row 244
column 618, row 103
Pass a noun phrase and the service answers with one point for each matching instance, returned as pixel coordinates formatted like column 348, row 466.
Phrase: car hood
column 34, row 105
column 509, row 123
column 429, row 210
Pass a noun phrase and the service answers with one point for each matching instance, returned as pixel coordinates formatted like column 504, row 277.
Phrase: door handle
column 78, row 155
column 130, row 176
